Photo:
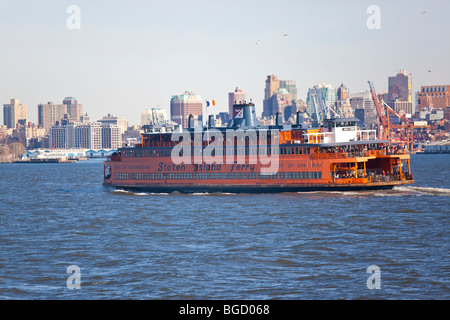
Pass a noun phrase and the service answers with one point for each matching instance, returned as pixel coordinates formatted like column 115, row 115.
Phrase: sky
column 128, row 56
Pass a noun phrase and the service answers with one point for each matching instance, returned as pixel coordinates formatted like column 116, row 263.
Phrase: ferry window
column 320, row 175
column 315, row 175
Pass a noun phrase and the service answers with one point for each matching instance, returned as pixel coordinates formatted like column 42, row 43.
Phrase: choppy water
column 220, row 246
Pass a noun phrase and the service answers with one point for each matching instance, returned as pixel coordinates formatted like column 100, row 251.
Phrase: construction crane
column 323, row 112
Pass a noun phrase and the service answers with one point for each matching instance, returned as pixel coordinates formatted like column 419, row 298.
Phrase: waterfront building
column 13, row 112
column 85, row 136
column 183, row 105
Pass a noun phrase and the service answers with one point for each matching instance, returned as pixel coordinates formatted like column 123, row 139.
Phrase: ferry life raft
column 249, row 158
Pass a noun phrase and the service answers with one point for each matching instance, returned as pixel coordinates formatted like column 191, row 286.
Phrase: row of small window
column 218, row 175
column 433, row 89
column 236, row 151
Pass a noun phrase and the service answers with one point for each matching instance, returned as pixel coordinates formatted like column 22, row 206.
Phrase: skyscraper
column 342, row 92
column 49, row 114
column 272, row 86
column 74, row 109
column 183, row 105
column 400, row 87
column 14, row 112
column 235, row 97
column 291, row 87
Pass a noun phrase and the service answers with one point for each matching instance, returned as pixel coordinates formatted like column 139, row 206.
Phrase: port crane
column 323, row 111
column 400, row 134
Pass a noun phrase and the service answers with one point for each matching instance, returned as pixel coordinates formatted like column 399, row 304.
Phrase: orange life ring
column 320, row 129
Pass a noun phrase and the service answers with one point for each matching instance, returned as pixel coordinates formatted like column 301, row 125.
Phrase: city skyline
column 127, row 57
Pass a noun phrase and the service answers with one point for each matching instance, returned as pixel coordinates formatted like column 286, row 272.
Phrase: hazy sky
column 132, row 55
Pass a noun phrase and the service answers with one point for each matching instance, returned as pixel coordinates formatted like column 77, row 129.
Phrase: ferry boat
column 250, row 158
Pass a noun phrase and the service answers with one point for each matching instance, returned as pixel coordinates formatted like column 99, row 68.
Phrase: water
column 220, row 246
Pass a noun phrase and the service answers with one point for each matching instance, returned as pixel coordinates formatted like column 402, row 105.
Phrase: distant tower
column 183, row 105
column 49, row 114
column 74, row 109
column 272, row 86
column 14, row 112
column 400, row 87
column 237, row 97
column 342, row 92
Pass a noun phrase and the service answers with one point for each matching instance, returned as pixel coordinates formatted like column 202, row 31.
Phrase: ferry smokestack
column 244, row 115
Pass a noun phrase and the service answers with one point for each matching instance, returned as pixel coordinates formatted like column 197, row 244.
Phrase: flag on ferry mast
column 210, row 102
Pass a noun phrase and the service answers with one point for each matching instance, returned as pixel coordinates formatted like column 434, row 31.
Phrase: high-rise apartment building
column 49, row 114
column 400, row 87
column 13, row 112
column 237, row 96
column 433, row 96
column 183, row 105
column 111, row 136
column 74, row 109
